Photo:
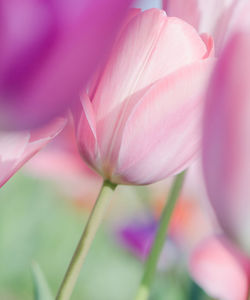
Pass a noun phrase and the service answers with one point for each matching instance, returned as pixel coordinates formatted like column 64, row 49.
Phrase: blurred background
column 43, row 211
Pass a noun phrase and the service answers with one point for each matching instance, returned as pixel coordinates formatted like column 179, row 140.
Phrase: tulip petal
column 226, row 144
column 162, row 134
column 233, row 17
column 220, row 269
column 183, row 9
column 217, row 18
column 156, row 46
column 86, row 132
column 161, row 45
column 202, row 14
column 132, row 12
column 17, row 148
column 208, row 40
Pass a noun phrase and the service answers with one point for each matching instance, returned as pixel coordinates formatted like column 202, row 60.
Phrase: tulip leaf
column 41, row 288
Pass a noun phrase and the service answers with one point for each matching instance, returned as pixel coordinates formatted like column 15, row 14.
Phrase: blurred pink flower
column 61, row 163
column 226, row 144
column 18, row 147
column 217, row 18
column 222, row 265
column 187, row 10
column 49, row 49
column 140, row 119
column 221, row 269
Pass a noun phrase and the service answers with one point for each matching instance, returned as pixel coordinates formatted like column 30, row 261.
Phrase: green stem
column 84, row 244
column 151, row 264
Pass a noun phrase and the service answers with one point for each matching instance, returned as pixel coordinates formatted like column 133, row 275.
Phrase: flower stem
column 84, row 244
column 151, row 264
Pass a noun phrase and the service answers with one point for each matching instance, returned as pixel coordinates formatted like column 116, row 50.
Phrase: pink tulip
column 221, row 269
column 220, row 265
column 202, row 14
column 48, row 51
column 217, row 18
column 140, row 119
column 226, row 144
column 18, row 147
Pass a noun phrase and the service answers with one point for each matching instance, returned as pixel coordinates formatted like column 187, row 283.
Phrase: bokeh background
column 44, row 208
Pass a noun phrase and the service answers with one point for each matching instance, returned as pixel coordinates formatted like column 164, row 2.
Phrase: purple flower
column 48, row 51
column 138, row 237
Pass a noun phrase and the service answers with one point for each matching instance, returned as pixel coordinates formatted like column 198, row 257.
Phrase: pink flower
column 49, row 49
column 221, row 269
column 18, row 147
column 187, row 10
column 217, row 18
column 140, row 119
column 221, row 265
column 226, row 144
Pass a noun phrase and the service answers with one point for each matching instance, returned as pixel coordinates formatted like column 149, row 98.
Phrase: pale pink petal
column 210, row 12
column 187, row 10
column 202, row 14
column 226, row 144
column 86, row 132
column 130, row 15
column 156, row 46
column 132, row 12
column 234, row 17
column 220, row 269
column 217, row 18
column 160, row 45
column 17, row 148
column 208, row 40
column 162, row 134
column 109, row 138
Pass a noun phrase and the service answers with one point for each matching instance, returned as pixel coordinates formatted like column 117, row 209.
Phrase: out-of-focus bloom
column 226, row 144
column 61, row 163
column 222, row 265
column 138, row 236
column 49, row 49
column 18, row 147
column 186, row 10
column 141, row 118
column 191, row 222
column 217, row 18
column 221, row 269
